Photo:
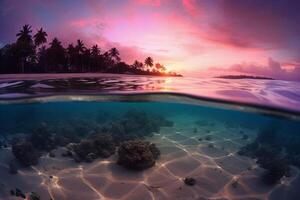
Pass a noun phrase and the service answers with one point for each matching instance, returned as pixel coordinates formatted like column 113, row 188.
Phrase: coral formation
column 95, row 146
column 137, row 154
column 25, row 153
column 17, row 193
column 34, row 196
column 268, row 149
column 135, row 124
column 81, row 141
column 42, row 139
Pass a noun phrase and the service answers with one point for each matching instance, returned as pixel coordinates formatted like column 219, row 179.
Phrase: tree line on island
column 29, row 54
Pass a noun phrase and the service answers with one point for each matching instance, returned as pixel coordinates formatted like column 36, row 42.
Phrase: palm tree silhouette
column 115, row 55
column 137, row 65
column 86, row 59
column 30, row 51
column 71, row 56
column 25, row 34
column 95, row 57
column 40, row 37
column 80, row 48
column 159, row 67
column 56, row 55
column 95, row 51
column 42, row 58
column 149, row 62
column 55, row 43
column 25, row 46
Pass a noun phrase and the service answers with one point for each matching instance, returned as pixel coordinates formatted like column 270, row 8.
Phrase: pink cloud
column 256, row 23
column 83, row 23
column 150, row 2
column 184, row 34
column 191, row 6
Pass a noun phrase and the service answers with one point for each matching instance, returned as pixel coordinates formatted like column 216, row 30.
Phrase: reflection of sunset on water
column 264, row 92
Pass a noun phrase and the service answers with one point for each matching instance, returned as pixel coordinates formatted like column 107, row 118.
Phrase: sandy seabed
column 219, row 172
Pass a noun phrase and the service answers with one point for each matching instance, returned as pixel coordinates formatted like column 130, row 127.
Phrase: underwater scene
column 150, row 100
column 144, row 149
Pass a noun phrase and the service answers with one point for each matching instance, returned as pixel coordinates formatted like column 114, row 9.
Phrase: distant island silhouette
column 244, row 77
column 29, row 54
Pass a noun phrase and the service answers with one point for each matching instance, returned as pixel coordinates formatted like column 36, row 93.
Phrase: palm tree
column 159, row 67
column 149, row 62
column 25, row 47
column 55, row 43
column 80, row 49
column 86, row 59
column 56, row 55
column 137, row 65
column 95, row 51
column 71, row 56
column 115, row 55
column 95, row 57
column 42, row 57
column 25, row 34
column 106, row 59
column 40, row 37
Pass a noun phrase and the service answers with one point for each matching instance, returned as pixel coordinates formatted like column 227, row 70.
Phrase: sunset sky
column 193, row 37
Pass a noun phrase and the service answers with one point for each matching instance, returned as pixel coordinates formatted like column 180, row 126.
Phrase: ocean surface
column 268, row 93
column 217, row 138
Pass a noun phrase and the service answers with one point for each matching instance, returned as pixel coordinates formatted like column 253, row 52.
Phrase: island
column 244, row 77
column 32, row 54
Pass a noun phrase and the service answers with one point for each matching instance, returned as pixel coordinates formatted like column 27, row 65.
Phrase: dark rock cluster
column 81, row 140
column 190, row 181
column 136, row 124
column 137, row 154
column 19, row 193
column 42, row 139
column 274, row 153
column 25, row 153
column 95, row 146
column 27, row 150
column 34, row 196
column 65, row 132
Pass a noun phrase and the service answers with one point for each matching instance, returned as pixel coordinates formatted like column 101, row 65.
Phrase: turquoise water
column 22, row 117
column 209, row 143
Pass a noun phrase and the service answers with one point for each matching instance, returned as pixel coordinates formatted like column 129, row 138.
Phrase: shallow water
column 208, row 139
column 214, row 162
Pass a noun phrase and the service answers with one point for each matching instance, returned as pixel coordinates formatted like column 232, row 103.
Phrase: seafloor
column 206, row 151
